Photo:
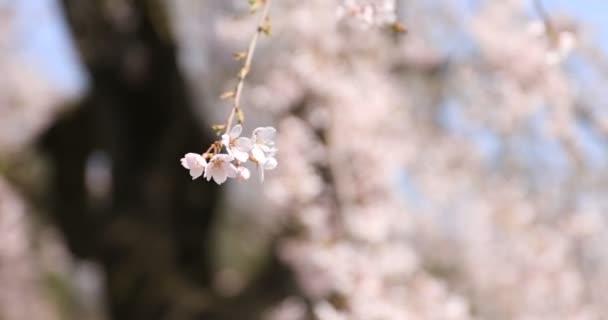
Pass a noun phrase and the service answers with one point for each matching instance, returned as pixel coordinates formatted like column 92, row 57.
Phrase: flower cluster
column 561, row 42
column 368, row 13
column 260, row 149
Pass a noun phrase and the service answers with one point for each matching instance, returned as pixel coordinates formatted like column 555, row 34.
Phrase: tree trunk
column 149, row 229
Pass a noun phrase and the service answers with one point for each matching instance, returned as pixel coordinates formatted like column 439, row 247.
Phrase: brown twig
column 540, row 9
column 238, row 91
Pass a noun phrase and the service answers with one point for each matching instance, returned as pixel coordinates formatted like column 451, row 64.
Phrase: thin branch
column 247, row 66
column 540, row 9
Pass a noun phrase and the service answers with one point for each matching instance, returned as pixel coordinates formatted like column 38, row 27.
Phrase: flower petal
column 270, row 163
column 226, row 140
column 265, row 133
column 196, row 172
column 241, row 156
column 191, row 160
column 243, row 173
column 267, row 149
column 220, row 176
column 235, row 132
column 243, row 144
column 184, row 162
column 231, row 170
column 272, row 151
column 201, row 161
column 258, row 155
column 223, row 157
column 209, row 171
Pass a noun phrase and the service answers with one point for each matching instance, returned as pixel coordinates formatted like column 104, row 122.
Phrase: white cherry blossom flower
column 263, row 138
column 263, row 143
column 263, row 150
column 243, row 173
column 561, row 49
column 237, row 146
column 267, row 162
column 195, row 163
column 220, row 168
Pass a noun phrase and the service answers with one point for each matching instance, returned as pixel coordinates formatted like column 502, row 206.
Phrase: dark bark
column 150, row 233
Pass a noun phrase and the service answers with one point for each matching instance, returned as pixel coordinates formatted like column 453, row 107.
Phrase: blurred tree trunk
column 149, row 229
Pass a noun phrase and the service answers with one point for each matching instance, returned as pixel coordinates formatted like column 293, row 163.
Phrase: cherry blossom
column 195, row 163
column 259, row 148
column 243, row 173
column 263, row 144
column 220, row 168
column 237, row 146
column 263, row 150
column 267, row 162
column 263, row 138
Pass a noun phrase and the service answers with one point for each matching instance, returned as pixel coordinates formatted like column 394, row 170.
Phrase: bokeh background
column 459, row 171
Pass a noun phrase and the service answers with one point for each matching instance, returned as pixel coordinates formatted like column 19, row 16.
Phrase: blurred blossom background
column 458, row 171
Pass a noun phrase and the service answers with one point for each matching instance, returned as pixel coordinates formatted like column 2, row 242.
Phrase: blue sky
column 42, row 39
